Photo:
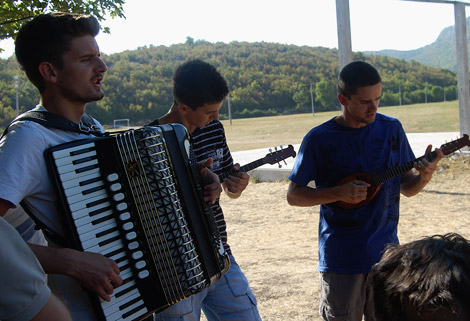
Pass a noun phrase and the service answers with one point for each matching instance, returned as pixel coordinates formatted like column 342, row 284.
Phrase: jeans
column 229, row 298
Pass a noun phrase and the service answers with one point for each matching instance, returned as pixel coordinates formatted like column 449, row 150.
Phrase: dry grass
column 276, row 244
column 254, row 133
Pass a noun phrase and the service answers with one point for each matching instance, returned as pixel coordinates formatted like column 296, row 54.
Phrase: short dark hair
column 196, row 83
column 355, row 75
column 47, row 37
column 427, row 274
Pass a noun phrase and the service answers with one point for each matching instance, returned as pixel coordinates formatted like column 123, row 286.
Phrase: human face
column 202, row 116
column 361, row 108
column 80, row 78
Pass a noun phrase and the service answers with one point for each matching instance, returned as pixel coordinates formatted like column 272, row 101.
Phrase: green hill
column 264, row 78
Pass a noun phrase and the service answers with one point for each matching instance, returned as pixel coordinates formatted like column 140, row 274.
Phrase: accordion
column 136, row 197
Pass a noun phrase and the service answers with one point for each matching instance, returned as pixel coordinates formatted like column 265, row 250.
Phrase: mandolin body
column 372, row 190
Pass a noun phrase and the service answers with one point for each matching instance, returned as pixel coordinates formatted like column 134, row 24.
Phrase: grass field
column 261, row 132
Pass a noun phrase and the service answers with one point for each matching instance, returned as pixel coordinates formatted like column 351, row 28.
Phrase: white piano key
column 66, row 152
column 92, row 234
column 112, row 306
column 95, row 242
column 69, row 160
column 104, row 248
column 76, row 181
column 137, row 314
column 90, row 224
column 119, row 252
column 80, row 189
column 80, row 198
column 85, row 211
column 118, row 290
column 73, row 176
column 75, row 167
column 87, row 219
column 83, row 204
column 118, row 315
column 122, row 263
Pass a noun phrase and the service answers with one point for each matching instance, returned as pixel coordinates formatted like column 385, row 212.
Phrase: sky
column 375, row 24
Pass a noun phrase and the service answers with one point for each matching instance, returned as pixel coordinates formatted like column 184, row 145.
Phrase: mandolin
column 376, row 181
column 271, row 158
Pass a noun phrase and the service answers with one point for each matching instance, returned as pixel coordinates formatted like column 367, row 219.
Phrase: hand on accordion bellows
column 95, row 272
column 212, row 187
column 236, row 183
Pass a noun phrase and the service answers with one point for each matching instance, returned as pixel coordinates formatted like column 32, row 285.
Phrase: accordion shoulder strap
column 48, row 232
column 46, row 119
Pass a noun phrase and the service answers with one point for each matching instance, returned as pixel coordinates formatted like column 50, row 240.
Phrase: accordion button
column 118, row 197
column 131, row 235
column 125, row 216
column 140, row 265
column 112, row 177
column 121, row 206
column 143, row 274
column 137, row 255
column 133, row 245
column 128, row 226
column 115, row 187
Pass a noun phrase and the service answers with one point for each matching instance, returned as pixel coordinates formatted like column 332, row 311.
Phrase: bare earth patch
column 276, row 244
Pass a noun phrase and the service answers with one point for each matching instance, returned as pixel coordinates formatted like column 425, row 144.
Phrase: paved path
column 270, row 173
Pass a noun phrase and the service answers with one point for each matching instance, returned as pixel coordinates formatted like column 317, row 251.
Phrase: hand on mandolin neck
column 412, row 183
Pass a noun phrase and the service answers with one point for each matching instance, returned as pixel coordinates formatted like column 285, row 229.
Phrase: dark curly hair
column 425, row 275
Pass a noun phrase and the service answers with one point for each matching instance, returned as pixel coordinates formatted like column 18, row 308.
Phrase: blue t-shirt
column 352, row 240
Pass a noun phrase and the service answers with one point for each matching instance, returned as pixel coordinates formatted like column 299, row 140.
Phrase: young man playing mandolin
column 352, row 238
column 198, row 92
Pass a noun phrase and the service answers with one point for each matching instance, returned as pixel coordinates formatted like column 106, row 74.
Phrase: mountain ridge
column 441, row 53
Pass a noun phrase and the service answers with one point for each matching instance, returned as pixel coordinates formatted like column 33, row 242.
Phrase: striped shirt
column 209, row 141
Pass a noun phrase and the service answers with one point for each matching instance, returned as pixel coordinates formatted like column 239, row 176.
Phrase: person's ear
column 342, row 99
column 183, row 109
column 48, row 72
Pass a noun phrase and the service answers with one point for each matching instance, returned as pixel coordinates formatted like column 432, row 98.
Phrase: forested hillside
column 264, row 79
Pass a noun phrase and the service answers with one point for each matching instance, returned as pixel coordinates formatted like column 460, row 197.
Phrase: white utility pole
column 344, row 33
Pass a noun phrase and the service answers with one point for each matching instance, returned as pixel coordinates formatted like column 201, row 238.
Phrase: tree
column 14, row 13
column 325, row 91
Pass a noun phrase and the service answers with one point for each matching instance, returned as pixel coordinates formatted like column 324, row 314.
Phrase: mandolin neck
column 245, row 168
column 396, row 171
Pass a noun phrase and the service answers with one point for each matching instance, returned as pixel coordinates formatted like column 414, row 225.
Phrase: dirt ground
column 276, row 244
